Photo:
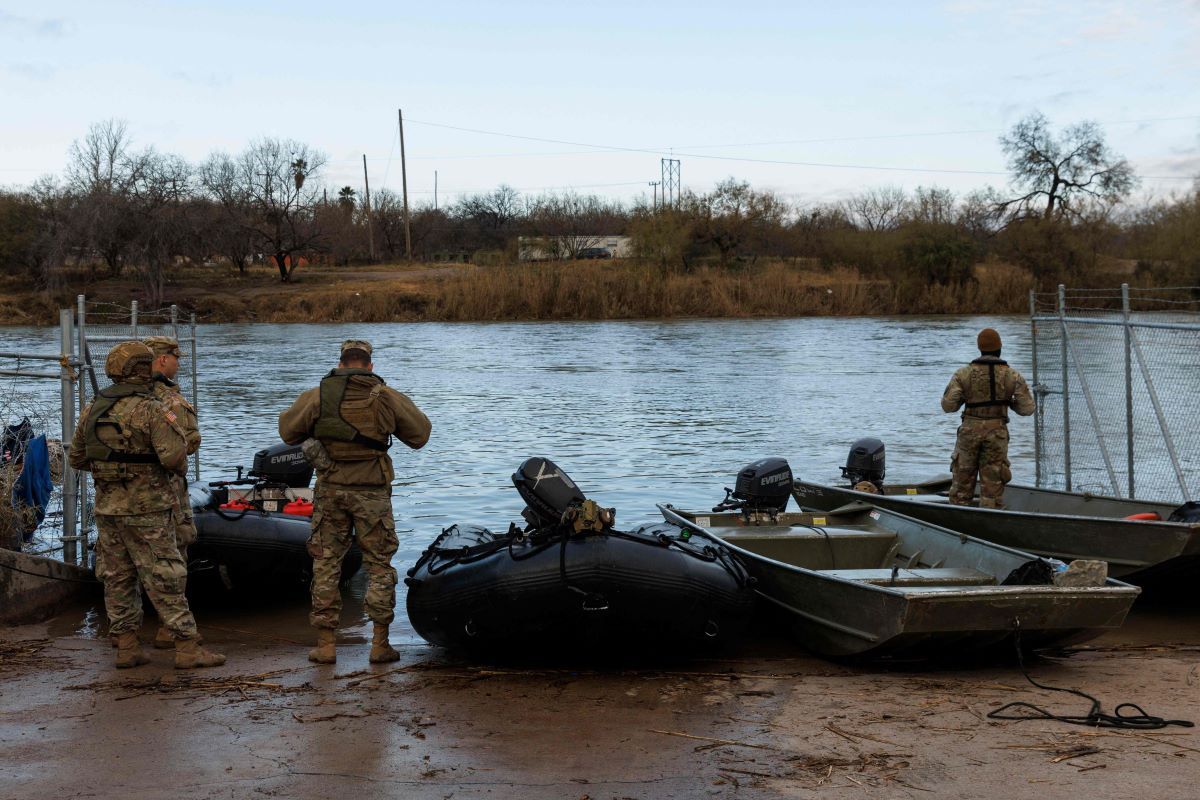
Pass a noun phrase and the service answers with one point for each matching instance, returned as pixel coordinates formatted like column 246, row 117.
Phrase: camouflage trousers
column 185, row 527
column 140, row 551
column 365, row 514
column 981, row 450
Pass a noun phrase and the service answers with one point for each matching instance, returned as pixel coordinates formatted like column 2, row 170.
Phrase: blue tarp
column 34, row 486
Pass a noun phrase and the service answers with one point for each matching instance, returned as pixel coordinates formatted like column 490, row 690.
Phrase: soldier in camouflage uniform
column 350, row 418
column 166, row 391
column 132, row 443
column 985, row 389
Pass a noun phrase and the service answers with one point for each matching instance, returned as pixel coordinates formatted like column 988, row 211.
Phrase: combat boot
column 189, row 654
column 163, row 640
column 129, row 651
column 382, row 651
column 326, row 650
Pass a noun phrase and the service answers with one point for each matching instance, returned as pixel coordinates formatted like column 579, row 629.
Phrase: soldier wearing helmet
column 132, row 444
column 985, row 389
column 164, row 369
column 352, row 415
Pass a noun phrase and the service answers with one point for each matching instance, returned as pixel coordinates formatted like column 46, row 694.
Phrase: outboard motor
column 283, row 464
column 547, row 491
column 763, row 486
column 865, row 462
column 1188, row 512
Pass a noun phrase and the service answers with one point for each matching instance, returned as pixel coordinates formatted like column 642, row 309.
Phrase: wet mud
column 767, row 720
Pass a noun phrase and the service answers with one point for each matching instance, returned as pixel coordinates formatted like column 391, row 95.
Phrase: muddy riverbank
column 766, row 721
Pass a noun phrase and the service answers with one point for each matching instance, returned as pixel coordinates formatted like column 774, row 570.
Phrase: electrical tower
column 670, row 181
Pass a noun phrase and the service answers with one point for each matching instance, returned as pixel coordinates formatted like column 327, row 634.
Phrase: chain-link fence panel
column 1118, row 388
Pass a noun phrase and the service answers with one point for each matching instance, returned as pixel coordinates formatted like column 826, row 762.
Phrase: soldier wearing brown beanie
column 985, row 389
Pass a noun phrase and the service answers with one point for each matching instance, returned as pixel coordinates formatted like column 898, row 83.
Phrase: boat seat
column 804, row 547
column 942, row 576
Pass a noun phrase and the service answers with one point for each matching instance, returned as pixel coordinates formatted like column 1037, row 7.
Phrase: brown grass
column 554, row 291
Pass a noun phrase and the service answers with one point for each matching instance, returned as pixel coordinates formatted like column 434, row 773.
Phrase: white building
column 555, row 248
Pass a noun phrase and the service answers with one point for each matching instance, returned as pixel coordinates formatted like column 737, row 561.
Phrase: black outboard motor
column 547, row 491
column 865, row 462
column 763, row 486
column 283, row 464
column 1188, row 512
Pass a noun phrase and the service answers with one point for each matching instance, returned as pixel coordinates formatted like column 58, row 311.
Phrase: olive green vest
column 333, row 427
column 101, row 414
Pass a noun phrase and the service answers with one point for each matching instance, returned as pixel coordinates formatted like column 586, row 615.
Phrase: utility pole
column 435, row 205
column 654, row 185
column 404, row 184
column 367, row 184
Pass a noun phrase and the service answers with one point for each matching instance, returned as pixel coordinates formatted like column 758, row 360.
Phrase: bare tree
column 106, row 173
column 733, row 216
column 271, row 189
column 1059, row 173
column 879, row 209
column 931, row 204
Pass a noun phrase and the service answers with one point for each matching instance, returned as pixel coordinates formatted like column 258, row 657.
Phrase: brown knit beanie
column 989, row 340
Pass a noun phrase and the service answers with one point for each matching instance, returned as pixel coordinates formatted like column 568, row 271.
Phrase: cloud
column 209, row 80
column 45, row 28
column 31, row 71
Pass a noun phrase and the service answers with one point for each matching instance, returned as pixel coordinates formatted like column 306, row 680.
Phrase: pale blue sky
column 911, row 86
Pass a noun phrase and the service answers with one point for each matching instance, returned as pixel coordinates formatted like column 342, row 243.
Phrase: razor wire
column 1117, row 380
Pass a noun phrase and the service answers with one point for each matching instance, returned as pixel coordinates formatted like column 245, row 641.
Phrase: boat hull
column 593, row 591
column 838, row 616
column 257, row 550
column 1158, row 556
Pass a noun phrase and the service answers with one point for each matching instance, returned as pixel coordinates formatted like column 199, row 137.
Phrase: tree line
column 119, row 209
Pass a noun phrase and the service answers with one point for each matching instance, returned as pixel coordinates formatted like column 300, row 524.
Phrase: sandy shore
column 768, row 721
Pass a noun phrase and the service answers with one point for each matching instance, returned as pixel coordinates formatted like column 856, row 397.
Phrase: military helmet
column 162, row 345
column 128, row 359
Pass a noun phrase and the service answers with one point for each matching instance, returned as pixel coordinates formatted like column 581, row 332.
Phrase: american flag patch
column 170, row 415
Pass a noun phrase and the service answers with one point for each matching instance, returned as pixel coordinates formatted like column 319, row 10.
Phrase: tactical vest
column 343, row 427
column 100, row 414
column 983, row 401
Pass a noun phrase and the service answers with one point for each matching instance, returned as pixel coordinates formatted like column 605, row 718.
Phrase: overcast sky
column 891, row 93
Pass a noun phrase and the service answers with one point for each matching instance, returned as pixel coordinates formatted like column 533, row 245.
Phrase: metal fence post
column 195, row 388
column 175, row 322
column 1066, row 386
column 1128, row 385
column 133, row 318
column 84, row 363
column 67, row 391
column 1037, row 420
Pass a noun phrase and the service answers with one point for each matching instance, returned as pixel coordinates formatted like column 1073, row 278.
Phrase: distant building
column 564, row 248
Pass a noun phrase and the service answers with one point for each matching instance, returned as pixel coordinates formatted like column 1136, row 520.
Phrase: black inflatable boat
column 253, row 532
column 568, row 580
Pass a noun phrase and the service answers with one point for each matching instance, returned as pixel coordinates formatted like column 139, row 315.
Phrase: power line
column 745, row 159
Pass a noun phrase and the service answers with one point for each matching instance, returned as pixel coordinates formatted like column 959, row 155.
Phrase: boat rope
column 1096, row 717
column 439, row 559
column 49, row 577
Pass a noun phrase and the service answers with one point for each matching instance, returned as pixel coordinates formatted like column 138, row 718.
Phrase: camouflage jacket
column 168, row 393
column 376, row 410
column 986, row 389
column 146, row 426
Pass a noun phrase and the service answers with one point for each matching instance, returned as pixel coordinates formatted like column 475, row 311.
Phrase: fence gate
column 1116, row 376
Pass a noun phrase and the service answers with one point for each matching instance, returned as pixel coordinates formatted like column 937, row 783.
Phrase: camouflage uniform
column 136, row 506
column 167, row 392
column 988, row 388
column 353, row 495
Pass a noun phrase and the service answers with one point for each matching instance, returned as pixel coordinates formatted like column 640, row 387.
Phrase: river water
column 637, row 413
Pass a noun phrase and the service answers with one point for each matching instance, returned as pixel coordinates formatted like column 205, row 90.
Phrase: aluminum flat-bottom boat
column 869, row 582
column 1137, row 538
